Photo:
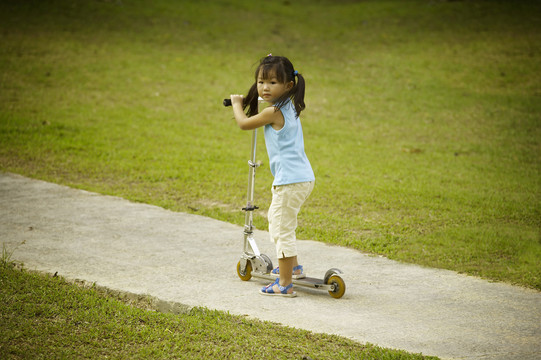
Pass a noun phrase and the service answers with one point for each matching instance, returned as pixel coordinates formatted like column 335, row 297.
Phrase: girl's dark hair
column 282, row 68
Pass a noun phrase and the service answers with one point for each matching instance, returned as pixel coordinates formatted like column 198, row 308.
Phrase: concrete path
column 191, row 260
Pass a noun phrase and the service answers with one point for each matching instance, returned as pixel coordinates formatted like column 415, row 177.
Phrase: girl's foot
column 297, row 272
column 277, row 290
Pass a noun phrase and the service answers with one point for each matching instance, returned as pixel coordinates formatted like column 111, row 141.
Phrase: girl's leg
column 286, row 269
column 286, row 265
column 286, row 203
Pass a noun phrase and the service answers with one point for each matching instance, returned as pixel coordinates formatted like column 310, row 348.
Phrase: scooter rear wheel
column 248, row 274
column 339, row 286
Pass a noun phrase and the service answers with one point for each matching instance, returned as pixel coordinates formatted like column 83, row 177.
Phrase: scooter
column 253, row 263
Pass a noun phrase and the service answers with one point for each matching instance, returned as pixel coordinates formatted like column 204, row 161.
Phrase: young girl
column 280, row 85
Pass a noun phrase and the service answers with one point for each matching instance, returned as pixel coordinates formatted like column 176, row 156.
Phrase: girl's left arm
column 267, row 116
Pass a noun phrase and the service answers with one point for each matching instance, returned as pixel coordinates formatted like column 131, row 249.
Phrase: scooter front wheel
column 247, row 274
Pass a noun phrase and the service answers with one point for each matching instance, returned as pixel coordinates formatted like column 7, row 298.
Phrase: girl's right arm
column 267, row 116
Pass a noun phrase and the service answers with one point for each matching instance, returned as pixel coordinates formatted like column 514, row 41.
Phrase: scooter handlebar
column 227, row 102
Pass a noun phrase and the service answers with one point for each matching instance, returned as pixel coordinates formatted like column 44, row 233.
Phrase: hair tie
column 269, row 54
column 295, row 73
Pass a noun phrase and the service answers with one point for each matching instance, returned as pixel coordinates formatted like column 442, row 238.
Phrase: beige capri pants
column 286, row 204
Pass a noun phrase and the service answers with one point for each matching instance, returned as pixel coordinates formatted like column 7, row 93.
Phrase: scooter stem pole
column 250, row 207
column 251, row 180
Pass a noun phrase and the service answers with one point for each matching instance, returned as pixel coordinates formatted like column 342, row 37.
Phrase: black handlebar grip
column 227, row 102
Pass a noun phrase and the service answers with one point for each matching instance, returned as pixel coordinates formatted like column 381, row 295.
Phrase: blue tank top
column 285, row 147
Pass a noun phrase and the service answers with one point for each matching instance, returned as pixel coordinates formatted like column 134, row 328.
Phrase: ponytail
column 297, row 94
column 251, row 101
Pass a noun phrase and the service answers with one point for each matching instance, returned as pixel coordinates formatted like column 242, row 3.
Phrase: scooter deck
column 305, row 282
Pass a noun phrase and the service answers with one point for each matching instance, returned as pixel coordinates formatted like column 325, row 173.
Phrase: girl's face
column 270, row 89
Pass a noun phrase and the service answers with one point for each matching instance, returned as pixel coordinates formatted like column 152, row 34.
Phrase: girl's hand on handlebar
column 237, row 99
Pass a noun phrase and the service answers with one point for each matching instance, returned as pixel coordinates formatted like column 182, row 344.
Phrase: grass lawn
column 422, row 124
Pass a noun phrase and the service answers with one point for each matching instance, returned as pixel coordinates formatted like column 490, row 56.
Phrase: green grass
column 46, row 317
column 423, row 120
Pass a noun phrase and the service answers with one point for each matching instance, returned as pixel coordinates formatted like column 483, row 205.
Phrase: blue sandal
column 276, row 272
column 268, row 290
